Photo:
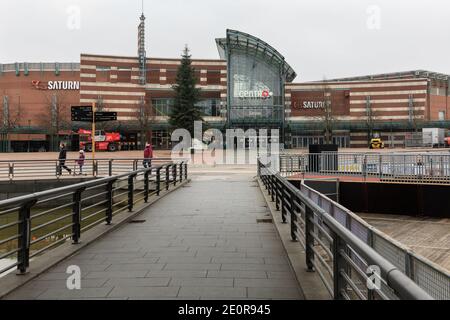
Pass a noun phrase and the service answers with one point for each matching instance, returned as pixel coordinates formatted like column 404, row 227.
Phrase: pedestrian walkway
column 208, row 240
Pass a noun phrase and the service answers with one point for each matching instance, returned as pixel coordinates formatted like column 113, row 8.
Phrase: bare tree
column 415, row 117
column 144, row 116
column 325, row 116
column 55, row 117
column 10, row 119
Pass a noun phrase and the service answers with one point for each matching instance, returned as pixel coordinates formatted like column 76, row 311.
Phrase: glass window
column 209, row 107
column 162, row 106
column 255, row 89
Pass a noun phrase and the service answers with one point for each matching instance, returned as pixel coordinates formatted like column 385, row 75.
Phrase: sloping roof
column 253, row 45
column 398, row 75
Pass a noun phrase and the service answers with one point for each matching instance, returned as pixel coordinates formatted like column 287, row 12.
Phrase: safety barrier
column 26, row 169
column 395, row 167
column 31, row 225
column 342, row 251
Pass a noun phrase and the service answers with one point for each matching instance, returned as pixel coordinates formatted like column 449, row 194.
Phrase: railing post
column 338, row 266
column 146, row 184
column 167, row 176
column 309, row 239
column 11, row 170
column 76, row 216
column 23, row 255
column 181, row 172
column 277, row 198
column 380, row 157
column 409, row 265
column 158, row 181
column 95, row 168
column 185, row 171
column 110, row 168
column 174, row 174
column 272, row 196
column 283, row 205
column 131, row 192
column 293, row 217
column 109, row 195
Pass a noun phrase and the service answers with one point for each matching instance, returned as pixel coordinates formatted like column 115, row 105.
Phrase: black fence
column 33, row 224
column 349, row 268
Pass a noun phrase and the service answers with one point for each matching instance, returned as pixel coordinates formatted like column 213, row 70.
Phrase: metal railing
column 345, row 263
column 26, row 169
column 32, row 224
column 395, row 167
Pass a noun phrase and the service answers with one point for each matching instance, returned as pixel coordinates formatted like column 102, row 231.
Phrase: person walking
column 148, row 155
column 62, row 159
column 80, row 161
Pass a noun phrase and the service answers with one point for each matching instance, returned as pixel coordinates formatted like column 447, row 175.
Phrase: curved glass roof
column 253, row 45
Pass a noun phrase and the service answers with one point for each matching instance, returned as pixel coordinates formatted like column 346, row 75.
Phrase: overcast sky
column 319, row 38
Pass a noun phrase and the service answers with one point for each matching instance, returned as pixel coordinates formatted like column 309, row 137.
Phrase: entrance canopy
column 251, row 45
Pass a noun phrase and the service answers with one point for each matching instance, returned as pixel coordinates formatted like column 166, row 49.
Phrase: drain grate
column 137, row 221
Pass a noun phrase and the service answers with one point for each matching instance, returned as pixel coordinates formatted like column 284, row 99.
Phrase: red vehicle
column 447, row 142
column 104, row 141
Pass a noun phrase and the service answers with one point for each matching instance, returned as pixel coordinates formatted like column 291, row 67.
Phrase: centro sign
column 56, row 85
column 255, row 94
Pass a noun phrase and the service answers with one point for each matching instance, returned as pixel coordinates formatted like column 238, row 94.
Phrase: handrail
column 348, row 251
column 418, row 167
column 53, row 168
column 72, row 209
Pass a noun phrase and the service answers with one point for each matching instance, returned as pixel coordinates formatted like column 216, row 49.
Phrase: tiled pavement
column 202, row 241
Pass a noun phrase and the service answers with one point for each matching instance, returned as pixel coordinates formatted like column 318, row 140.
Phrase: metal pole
column 167, row 176
column 146, row 177
column 23, row 255
column 158, row 181
column 130, row 192
column 338, row 267
column 309, row 239
column 110, row 200
column 76, row 216
column 93, row 138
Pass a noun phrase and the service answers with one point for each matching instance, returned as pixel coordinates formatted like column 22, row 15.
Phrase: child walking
column 80, row 161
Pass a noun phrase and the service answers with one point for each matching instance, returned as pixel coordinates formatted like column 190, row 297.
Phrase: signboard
column 81, row 113
column 85, row 114
column 255, row 94
column 105, row 116
column 56, row 85
column 79, row 109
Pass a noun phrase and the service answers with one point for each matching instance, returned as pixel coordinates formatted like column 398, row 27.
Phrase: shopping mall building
column 251, row 85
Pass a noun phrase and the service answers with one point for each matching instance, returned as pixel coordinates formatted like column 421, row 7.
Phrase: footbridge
column 177, row 232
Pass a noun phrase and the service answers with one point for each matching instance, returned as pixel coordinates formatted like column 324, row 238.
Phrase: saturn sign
column 56, row 85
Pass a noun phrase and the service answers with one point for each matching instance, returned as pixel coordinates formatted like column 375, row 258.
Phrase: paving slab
column 202, row 241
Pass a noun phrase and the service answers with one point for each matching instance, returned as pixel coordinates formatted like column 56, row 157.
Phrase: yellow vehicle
column 376, row 143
